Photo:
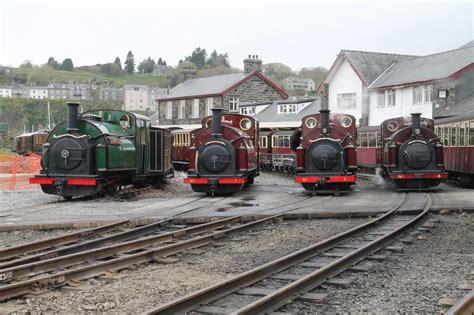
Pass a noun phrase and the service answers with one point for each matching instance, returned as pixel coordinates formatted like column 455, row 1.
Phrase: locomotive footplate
column 325, row 179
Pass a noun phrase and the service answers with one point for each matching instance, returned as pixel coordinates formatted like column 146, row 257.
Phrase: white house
column 350, row 76
column 375, row 86
column 423, row 85
column 39, row 92
column 294, row 83
column 5, row 91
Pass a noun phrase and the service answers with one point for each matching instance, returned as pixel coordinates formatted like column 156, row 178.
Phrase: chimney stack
column 415, row 124
column 251, row 64
column 216, row 121
column 72, row 117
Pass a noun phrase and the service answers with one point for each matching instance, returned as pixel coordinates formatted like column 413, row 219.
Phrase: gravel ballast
column 146, row 286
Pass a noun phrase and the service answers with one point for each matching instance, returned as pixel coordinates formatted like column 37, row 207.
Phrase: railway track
column 64, row 259
column 271, row 286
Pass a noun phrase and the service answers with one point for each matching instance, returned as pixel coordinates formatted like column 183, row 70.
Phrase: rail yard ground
column 412, row 281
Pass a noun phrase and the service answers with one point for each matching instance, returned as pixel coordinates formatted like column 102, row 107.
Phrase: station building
column 372, row 86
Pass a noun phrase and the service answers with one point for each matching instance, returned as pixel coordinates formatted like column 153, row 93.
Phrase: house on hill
column 186, row 104
column 350, row 76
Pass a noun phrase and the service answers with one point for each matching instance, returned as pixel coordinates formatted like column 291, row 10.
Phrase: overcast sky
column 296, row 33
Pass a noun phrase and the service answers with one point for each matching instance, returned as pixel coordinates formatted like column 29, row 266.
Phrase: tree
column 111, row 69
column 160, row 62
column 198, row 57
column 147, row 65
column 317, row 74
column 130, row 63
column 67, row 64
column 53, row 63
column 118, row 63
column 218, row 60
column 27, row 64
column 277, row 71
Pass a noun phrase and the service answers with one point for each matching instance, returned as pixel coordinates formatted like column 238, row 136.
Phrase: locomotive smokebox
column 415, row 124
column 324, row 114
column 216, row 121
column 72, row 117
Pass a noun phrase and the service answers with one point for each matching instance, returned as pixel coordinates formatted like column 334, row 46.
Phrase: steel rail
column 464, row 306
column 28, row 286
column 291, row 291
column 252, row 276
column 95, row 243
column 61, row 278
column 73, row 237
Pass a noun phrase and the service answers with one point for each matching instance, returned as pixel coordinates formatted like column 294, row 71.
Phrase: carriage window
column 372, row 139
column 471, row 133
column 453, row 136
column 461, row 136
column 446, row 136
column 363, row 139
column 379, row 139
column 282, row 141
column 263, row 142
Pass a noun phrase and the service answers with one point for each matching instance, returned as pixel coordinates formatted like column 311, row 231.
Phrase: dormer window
column 287, row 109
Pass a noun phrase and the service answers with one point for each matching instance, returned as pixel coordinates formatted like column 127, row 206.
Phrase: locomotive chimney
column 324, row 114
column 72, row 117
column 216, row 121
column 415, row 124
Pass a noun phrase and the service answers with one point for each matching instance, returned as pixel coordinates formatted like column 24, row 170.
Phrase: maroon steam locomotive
column 223, row 157
column 411, row 153
column 326, row 157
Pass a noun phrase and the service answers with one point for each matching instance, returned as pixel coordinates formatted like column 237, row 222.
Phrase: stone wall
column 254, row 90
column 187, row 120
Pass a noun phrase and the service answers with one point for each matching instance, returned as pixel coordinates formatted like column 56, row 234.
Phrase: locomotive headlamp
column 325, row 130
column 417, row 131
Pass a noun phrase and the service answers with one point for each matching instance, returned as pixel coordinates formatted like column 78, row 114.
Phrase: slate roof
column 214, row 85
column 270, row 114
column 427, row 68
column 468, row 44
column 463, row 107
column 370, row 65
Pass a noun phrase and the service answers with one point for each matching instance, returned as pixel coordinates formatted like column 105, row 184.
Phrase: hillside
column 44, row 74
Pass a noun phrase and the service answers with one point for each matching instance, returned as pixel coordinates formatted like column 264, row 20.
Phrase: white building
column 5, row 91
column 439, row 81
column 39, row 92
column 294, row 83
column 349, row 78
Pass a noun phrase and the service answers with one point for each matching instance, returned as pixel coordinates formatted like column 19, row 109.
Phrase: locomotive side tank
column 326, row 158
column 102, row 150
column 412, row 155
column 223, row 157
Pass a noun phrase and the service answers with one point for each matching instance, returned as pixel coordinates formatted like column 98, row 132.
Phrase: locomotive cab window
column 125, row 121
column 471, row 133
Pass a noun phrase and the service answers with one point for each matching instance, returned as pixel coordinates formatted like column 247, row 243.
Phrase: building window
column 428, row 93
column 209, row 105
column 248, row 110
column 380, row 99
column 169, row 110
column 287, row 109
column 195, row 113
column 234, row 104
column 347, row 100
column 418, row 95
column 181, row 109
column 391, row 98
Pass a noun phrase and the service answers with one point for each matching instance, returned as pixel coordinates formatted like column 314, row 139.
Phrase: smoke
column 378, row 179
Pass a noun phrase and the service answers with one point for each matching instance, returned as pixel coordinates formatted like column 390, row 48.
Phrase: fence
column 15, row 171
